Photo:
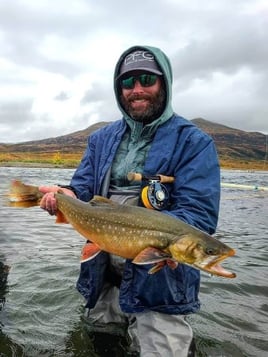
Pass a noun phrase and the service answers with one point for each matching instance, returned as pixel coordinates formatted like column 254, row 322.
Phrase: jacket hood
column 165, row 67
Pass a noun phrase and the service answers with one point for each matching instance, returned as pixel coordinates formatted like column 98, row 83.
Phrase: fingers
column 47, row 189
column 48, row 203
column 68, row 192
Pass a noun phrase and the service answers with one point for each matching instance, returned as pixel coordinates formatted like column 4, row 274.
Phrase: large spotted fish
column 143, row 235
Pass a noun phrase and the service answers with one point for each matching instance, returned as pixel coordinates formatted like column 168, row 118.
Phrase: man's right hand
column 48, row 201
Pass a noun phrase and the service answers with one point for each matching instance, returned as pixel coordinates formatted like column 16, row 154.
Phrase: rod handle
column 135, row 176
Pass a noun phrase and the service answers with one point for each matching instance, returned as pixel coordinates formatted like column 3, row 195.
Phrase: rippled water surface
column 40, row 309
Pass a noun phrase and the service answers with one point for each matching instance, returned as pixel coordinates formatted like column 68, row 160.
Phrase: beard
column 155, row 107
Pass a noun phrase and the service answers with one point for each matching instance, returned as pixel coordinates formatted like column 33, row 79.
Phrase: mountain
column 66, row 143
column 232, row 144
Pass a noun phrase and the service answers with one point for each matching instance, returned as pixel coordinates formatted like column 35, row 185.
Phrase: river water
column 41, row 311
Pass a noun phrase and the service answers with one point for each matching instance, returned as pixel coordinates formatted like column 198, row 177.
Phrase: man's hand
column 48, row 201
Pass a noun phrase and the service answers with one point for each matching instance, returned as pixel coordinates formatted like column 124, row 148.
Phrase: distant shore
column 37, row 165
column 224, row 166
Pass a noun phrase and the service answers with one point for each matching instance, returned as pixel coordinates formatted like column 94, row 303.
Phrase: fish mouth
column 211, row 265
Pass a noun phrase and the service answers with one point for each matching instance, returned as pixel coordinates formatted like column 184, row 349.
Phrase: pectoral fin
column 151, row 255
column 169, row 262
column 155, row 256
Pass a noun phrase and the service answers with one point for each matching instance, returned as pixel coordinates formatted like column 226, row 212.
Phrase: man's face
column 145, row 101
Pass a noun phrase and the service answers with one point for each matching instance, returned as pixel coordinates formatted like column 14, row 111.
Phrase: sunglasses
column 146, row 80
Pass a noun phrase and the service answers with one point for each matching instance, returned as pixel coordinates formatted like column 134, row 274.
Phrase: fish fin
column 151, row 255
column 22, row 195
column 158, row 266
column 172, row 263
column 60, row 218
column 89, row 251
column 21, row 204
column 100, row 200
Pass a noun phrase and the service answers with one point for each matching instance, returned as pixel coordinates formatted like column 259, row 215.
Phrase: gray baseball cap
column 139, row 60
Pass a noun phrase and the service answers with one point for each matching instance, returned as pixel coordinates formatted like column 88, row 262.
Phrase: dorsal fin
column 100, row 200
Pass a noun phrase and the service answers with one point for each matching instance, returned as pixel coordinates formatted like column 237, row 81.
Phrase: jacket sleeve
column 101, row 148
column 195, row 195
column 82, row 181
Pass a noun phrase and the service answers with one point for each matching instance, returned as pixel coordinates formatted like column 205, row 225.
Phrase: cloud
column 62, row 96
column 57, row 61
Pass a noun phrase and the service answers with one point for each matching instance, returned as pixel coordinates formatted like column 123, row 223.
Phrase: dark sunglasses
column 146, row 80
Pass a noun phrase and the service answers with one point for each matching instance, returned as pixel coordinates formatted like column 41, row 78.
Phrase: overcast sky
column 57, row 60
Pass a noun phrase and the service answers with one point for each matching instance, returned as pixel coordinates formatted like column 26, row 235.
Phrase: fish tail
column 22, row 195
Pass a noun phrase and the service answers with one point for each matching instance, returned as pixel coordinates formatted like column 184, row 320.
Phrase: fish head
column 203, row 252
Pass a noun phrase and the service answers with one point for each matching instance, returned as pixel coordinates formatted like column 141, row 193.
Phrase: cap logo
column 138, row 56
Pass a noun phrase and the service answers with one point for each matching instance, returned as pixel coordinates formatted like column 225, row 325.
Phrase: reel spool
column 155, row 195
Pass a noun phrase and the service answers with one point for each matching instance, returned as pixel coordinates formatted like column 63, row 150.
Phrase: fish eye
column 211, row 251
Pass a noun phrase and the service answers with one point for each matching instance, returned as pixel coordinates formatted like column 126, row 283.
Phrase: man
column 150, row 139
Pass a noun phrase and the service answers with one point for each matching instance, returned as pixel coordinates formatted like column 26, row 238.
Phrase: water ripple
column 41, row 312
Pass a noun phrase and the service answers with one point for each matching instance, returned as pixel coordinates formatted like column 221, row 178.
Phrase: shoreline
column 37, row 165
column 251, row 168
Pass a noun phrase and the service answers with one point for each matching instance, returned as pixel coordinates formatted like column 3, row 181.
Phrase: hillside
column 66, row 143
column 233, row 143
column 234, row 146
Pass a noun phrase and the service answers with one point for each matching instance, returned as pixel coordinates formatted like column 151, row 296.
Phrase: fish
column 143, row 235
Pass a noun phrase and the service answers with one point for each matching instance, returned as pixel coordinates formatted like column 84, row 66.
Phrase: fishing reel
column 154, row 194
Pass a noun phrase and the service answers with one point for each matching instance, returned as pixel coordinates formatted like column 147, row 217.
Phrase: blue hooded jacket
column 178, row 149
